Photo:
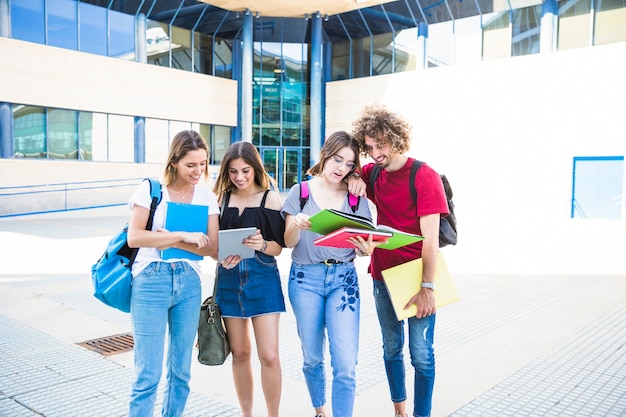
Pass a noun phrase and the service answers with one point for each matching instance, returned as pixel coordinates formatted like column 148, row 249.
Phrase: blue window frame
column 597, row 187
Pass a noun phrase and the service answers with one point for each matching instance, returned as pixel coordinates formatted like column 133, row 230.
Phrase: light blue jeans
column 421, row 337
column 164, row 295
column 326, row 298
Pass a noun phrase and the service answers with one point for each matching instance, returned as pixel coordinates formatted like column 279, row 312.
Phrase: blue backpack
column 111, row 275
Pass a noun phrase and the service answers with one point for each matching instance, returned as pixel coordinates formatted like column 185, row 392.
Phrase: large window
column 28, row 20
column 29, row 132
column 62, row 24
column 62, row 134
column 574, row 24
column 93, row 29
column 610, row 22
column 598, row 187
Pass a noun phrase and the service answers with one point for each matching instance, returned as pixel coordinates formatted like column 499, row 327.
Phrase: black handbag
column 213, row 347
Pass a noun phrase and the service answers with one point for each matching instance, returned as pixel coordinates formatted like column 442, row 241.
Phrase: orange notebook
column 339, row 238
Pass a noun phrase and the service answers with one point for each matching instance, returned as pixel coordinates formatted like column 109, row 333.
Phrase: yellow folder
column 404, row 281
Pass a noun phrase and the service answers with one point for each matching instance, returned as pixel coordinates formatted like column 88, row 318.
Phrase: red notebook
column 339, row 238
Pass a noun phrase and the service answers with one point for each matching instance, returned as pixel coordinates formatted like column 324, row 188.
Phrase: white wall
column 505, row 133
column 53, row 77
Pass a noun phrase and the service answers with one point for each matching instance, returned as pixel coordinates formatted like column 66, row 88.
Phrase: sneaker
column 398, row 415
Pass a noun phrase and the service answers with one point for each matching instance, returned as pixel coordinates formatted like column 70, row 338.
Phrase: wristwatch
column 430, row 285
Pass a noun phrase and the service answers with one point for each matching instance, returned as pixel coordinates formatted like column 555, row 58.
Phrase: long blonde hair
column 183, row 142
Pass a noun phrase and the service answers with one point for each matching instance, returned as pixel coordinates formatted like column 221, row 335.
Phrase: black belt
column 334, row 262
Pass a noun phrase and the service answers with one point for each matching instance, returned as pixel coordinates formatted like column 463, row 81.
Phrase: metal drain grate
column 110, row 345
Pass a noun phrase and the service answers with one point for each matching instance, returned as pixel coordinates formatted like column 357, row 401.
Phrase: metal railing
column 48, row 198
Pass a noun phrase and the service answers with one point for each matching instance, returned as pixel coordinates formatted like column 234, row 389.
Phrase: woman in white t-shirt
column 166, row 293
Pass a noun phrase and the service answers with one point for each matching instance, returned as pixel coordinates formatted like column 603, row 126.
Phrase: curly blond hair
column 384, row 126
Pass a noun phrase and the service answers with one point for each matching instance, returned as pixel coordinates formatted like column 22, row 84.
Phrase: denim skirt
column 252, row 288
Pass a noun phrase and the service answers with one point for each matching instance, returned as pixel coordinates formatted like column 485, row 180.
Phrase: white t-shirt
column 141, row 197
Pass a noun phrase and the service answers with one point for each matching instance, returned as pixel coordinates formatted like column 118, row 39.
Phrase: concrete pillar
column 247, row 66
column 140, row 139
column 548, row 34
column 6, row 130
column 421, row 55
column 141, row 27
column 317, row 85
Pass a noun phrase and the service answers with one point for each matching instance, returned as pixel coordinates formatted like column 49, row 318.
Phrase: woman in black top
column 249, row 290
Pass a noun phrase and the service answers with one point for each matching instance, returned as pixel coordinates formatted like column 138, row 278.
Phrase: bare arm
column 425, row 298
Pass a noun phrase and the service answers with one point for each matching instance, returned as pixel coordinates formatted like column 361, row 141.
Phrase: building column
column 421, row 55
column 6, row 130
column 549, row 16
column 141, row 27
column 140, row 139
column 247, row 66
column 317, row 85
column 5, row 19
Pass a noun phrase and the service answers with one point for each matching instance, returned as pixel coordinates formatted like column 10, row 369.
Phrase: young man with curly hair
column 385, row 137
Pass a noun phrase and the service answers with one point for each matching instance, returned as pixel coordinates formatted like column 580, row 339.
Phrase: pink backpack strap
column 304, row 193
column 353, row 200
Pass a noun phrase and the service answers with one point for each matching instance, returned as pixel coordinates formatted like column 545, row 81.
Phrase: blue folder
column 185, row 218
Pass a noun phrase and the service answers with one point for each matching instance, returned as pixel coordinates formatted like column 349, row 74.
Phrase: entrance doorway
column 283, row 164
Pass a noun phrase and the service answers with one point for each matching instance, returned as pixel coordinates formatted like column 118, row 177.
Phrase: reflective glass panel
column 99, row 136
column 406, row 46
column 181, row 48
column 526, row 28
column 85, row 135
column 29, row 131
column 497, row 36
column 361, row 57
column 574, row 29
column 610, row 22
column 121, row 138
column 220, row 142
column 202, row 53
column 62, row 134
column 62, row 24
column 598, row 188
column 121, row 35
column 383, row 54
column 441, row 44
column 223, row 58
column 342, row 52
column 158, row 43
column 28, row 20
column 157, row 141
column 93, row 29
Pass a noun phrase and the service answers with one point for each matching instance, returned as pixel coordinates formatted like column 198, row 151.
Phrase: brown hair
column 333, row 144
column 384, row 126
column 183, row 142
column 248, row 152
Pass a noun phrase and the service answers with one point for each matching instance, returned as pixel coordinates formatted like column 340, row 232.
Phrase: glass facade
column 200, row 38
column 41, row 132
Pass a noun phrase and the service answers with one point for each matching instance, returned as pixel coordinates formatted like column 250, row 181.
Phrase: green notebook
column 329, row 220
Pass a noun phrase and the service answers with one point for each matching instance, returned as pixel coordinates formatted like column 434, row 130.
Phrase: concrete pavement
column 524, row 344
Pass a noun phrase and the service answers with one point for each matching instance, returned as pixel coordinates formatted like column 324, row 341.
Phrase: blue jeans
column 326, row 297
column 164, row 295
column 421, row 336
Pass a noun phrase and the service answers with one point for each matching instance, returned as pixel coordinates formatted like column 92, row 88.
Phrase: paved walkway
column 515, row 345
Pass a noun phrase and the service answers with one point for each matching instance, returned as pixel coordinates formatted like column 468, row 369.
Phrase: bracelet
column 264, row 247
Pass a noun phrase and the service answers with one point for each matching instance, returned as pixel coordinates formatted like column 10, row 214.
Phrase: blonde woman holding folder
column 323, row 283
column 166, row 292
column 249, row 290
